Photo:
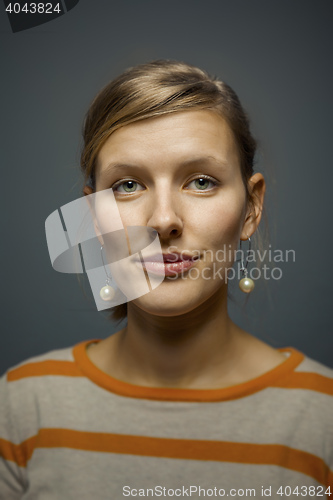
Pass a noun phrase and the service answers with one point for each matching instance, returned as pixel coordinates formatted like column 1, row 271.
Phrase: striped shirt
column 69, row 431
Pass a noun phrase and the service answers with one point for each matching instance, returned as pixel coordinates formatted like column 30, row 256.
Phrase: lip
column 172, row 264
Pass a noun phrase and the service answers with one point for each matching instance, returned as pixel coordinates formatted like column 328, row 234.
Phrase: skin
column 180, row 334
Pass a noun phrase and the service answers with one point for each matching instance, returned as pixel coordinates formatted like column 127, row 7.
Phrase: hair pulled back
column 158, row 88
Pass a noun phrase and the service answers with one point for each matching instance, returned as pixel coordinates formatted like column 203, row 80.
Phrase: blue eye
column 127, row 187
column 203, row 183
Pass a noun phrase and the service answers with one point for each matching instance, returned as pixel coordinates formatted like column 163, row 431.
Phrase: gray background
column 277, row 55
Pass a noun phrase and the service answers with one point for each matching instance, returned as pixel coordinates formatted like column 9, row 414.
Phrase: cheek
column 133, row 212
column 217, row 232
column 219, row 223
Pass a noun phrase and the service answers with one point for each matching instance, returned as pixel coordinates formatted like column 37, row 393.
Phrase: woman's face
column 179, row 174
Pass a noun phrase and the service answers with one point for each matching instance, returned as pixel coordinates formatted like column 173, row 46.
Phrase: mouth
column 169, row 264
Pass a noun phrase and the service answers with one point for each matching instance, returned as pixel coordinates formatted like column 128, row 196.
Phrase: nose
column 164, row 214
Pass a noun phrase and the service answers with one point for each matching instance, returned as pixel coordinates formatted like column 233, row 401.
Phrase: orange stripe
column 41, row 368
column 220, row 451
column 10, row 451
column 179, row 394
column 18, row 453
column 295, row 380
column 307, row 380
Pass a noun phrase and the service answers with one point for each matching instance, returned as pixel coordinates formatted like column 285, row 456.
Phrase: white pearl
column 107, row 292
column 246, row 285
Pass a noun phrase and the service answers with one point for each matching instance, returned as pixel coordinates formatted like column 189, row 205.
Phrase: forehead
column 171, row 138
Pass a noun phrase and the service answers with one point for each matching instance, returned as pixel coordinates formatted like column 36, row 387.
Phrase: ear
column 257, row 188
column 88, row 190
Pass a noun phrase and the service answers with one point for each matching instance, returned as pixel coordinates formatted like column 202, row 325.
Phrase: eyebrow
column 202, row 160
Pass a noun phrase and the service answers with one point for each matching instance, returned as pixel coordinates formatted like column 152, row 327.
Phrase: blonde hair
column 154, row 89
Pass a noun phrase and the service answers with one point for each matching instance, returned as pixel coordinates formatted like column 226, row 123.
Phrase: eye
column 202, row 183
column 127, row 187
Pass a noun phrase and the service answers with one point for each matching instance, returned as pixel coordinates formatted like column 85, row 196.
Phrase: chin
column 168, row 303
column 163, row 308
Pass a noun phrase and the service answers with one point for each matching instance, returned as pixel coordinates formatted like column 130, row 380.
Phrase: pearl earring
column 246, row 284
column 107, row 292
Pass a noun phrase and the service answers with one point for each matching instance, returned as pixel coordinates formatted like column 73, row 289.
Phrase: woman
column 181, row 402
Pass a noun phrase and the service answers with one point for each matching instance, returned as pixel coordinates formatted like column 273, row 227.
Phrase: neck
column 176, row 351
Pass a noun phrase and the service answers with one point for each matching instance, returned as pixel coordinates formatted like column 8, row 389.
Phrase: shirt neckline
column 125, row 389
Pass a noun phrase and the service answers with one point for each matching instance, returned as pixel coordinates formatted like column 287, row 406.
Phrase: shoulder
column 37, row 390
column 15, row 383
column 55, row 362
column 309, row 375
column 30, row 366
column 309, row 365
column 305, row 394
column 35, row 377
